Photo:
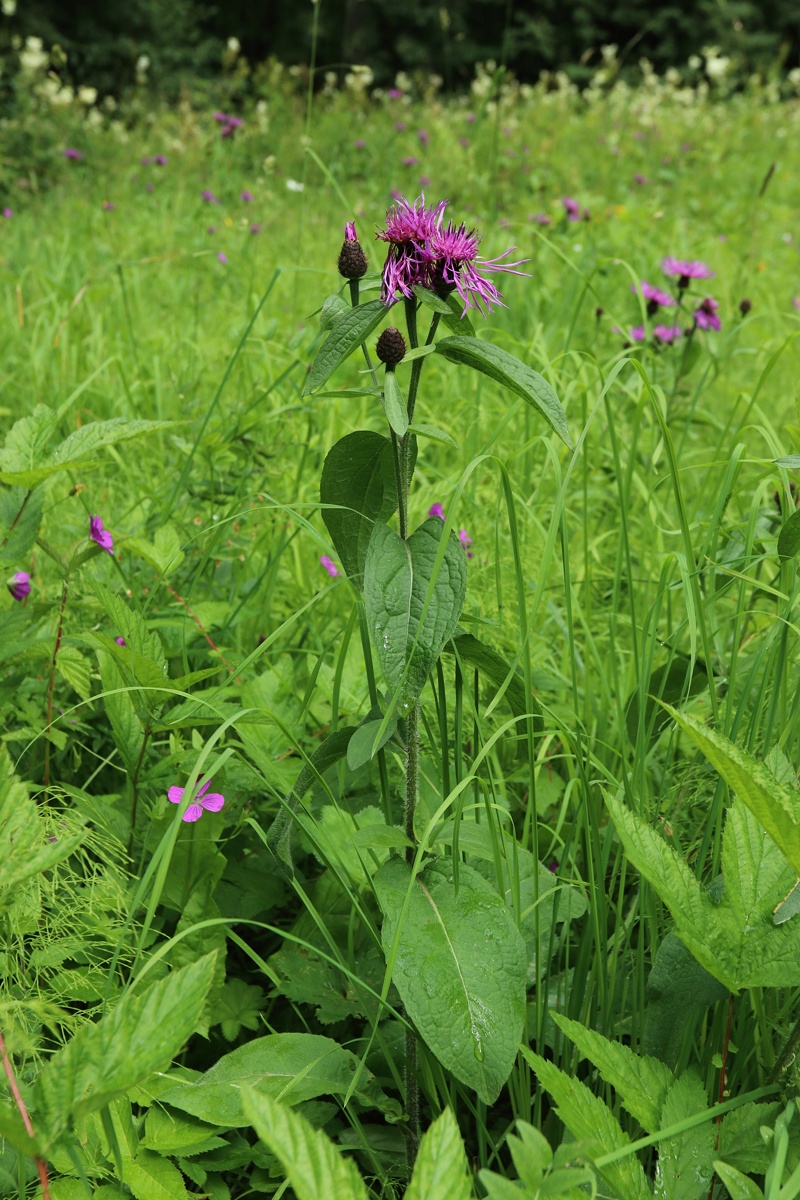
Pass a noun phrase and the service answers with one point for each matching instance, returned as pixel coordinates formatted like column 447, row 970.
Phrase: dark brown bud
column 598, row 312
column 745, row 306
column 391, row 347
column 352, row 260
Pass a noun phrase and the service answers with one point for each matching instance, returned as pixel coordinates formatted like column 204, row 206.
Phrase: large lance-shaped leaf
column 412, row 607
column 358, row 476
column 350, row 330
column 498, row 364
column 290, row 1066
column 459, row 964
column 776, row 807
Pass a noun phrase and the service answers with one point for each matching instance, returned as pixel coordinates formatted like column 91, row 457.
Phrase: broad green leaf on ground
column 459, row 964
column 314, row 1167
column 590, row 1121
column 291, row 1067
column 740, row 1142
column 684, row 1167
column 641, row 1083
column 25, row 461
column 678, row 989
column 20, row 518
column 239, row 1007
column 103, row 1060
column 358, row 487
column 164, row 553
column 513, row 374
column 735, row 938
column 775, row 806
column 348, row 332
column 401, row 581
column 25, row 848
column 441, row 1171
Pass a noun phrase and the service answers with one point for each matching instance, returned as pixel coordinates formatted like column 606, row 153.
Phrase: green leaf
column 434, row 433
column 498, row 364
column 789, row 460
column 239, row 1007
column 333, row 309
column 775, row 806
column 292, row 1067
column 164, row 553
column 73, row 667
column 140, row 640
column 349, row 331
column 332, row 751
column 172, row 1133
column 490, row 663
column 677, row 989
column 677, row 680
column 313, row 1165
column 789, row 536
column 151, row 1177
column 126, row 727
column 25, row 462
column 441, row 1169
column 105, row 1059
column 589, row 1120
column 365, row 743
column 357, row 488
column 739, row 1186
column 641, row 1082
column 334, row 840
column 20, row 519
column 413, row 594
column 14, row 1132
column 394, row 404
column 439, row 943
column 684, row 1168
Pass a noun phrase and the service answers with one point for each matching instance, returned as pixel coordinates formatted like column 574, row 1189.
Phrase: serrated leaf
column 441, row 1168
column 164, row 553
column 589, row 1120
column 677, row 988
column 313, row 1165
column 360, row 486
column 394, row 404
column 25, row 462
column 413, row 594
column 151, row 1177
column 239, row 1007
column 349, row 331
column 73, row 667
column 438, row 942
column 683, row 1169
column 105, row 1059
column 641, row 1083
column 126, row 727
column 169, row 1132
column 130, row 625
column 513, row 374
column 291, row 1066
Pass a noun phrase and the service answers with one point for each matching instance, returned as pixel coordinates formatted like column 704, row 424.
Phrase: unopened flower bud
column 391, row 347
column 745, row 306
column 352, row 259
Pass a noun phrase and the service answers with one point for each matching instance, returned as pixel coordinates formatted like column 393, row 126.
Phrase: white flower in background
column 717, row 66
column 695, row 62
column 234, row 45
column 9, row 7
column 794, row 78
column 34, row 57
column 94, row 118
column 87, row 95
column 292, row 185
column 142, row 67
column 358, row 79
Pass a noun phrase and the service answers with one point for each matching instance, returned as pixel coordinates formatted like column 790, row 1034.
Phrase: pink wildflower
column 210, row 801
column 99, row 535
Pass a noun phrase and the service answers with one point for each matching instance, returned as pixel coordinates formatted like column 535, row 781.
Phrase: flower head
column 71, row 152
column 352, row 259
column 423, row 136
column 20, row 585
column 436, row 510
column 667, row 333
column 571, row 208
column 246, row 196
column 108, row 206
column 120, row 641
column 161, row 160
column 540, row 219
column 211, row 801
column 329, row 565
column 222, row 256
column 8, row 213
column 255, row 227
column 655, row 297
column 208, row 196
column 684, row 270
column 100, row 535
column 705, row 315
column 466, row 541
column 638, row 333
column 409, row 228
column 455, row 266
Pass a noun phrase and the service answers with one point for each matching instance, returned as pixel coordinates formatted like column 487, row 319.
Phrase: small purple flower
column 208, row 196
column 148, row 187
column 410, row 161
column 705, row 315
column 396, row 195
column 424, row 137
column 436, row 510
column 8, row 213
column 350, row 234
column 20, row 585
column 120, row 641
column 684, row 270
column 246, row 197
column 161, row 160
column 796, row 302
column 400, row 126
column 222, row 256
column 329, row 565
column 228, row 124
column 655, row 297
column 540, row 219
column 642, row 180
column 424, row 181
column 463, row 141
column 466, row 541
column 108, row 206
column 667, row 333
column 100, row 535
column 210, row 801
column 571, row 208
column 71, row 152
column 395, row 93
column 360, row 144
column 255, row 227
column 211, row 229
column 638, row 333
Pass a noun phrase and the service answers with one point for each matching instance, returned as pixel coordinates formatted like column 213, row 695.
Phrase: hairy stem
column 41, row 1166
column 56, row 648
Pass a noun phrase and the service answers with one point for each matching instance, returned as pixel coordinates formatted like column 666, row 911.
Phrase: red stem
column 201, row 627
column 41, row 1166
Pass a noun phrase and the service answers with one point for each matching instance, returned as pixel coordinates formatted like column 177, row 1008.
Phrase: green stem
column 56, row 648
column 411, row 1083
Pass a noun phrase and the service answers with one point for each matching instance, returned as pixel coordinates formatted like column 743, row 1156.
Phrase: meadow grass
column 651, row 548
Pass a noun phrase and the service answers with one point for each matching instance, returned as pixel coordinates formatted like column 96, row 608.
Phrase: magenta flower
column 360, row 144
column 120, row 641
column 246, row 197
column 255, row 228
column 395, row 93
column 796, row 302
column 456, row 264
column 108, row 206
column 423, row 181
column 571, row 208
column 436, row 510
column 705, row 315
column 228, row 123
column 8, row 213
column 466, row 541
column 640, row 179
column 210, row 801
column 409, row 227
column 400, row 126
column 211, row 229
column 100, row 535
column 149, row 187
column 638, row 333
column 329, row 565
column 424, row 139
column 540, row 219
column 410, row 161
column 222, row 256
column 685, row 270
column 71, row 152
column 161, row 160
column 20, row 585
column 667, row 333
column 208, row 196
column 655, row 297
column 463, row 141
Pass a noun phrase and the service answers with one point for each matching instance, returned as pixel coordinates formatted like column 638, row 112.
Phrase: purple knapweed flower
column 667, row 333
column 400, row 126
column 108, row 206
column 120, row 641
column 705, row 316
column 211, row 229
column 466, row 541
column 571, row 208
column 640, row 179
column 436, row 510
column 463, row 141
column 161, row 160
column 20, row 585
column 684, row 270
column 211, row 801
column 638, row 333
column 246, row 196
column 424, row 181
column 149, row 187
column 71, row 152
column 228, row 124
column 8, row 213
column 455, row 266
column 655, row 297
column 329, row 565
column 359, row 144
column 395, row 93
column 424, row 137
column 409, row 228
column 100, row 535
column 208, row 196
column 222, row 256
column 255, row 227
column 410, row 161
column 540, row 218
